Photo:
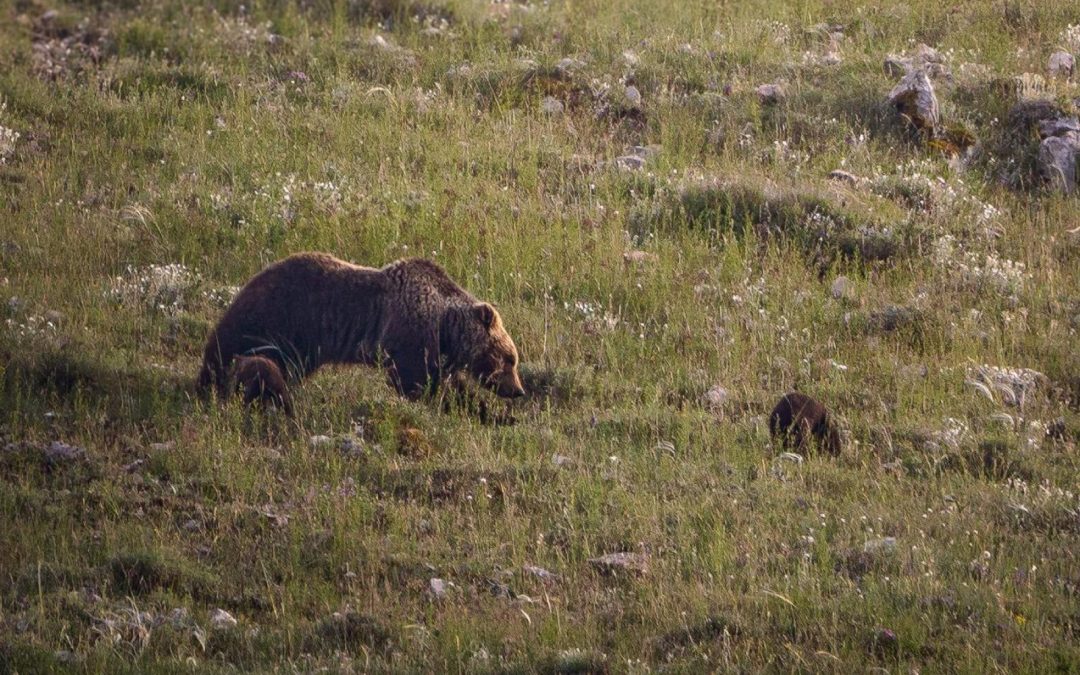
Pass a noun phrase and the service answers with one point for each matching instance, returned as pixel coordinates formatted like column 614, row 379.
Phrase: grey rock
column 715, row 398
column 1057, row 161
column 842, row 176
column 58, row 452
column 914, row 98
column 632, row 96
column 1058, row 126
column 568, row 66
column 541, row 573
column 897, row 66
column 622, row 562
column 552, row 106
column 629, row 163
column 842, row 288
column 1062, row 64
column 884, row 544
column 771, row 94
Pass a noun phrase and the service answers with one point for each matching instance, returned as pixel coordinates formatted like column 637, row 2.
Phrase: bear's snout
column 510, row 386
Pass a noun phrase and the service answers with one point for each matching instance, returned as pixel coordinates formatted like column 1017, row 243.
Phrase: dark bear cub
column 800, row 422
column 260, row 380
column 311, row 309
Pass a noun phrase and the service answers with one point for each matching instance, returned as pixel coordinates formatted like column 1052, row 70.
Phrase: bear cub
column 312, row 309
column 800, row 422
column 260, row 380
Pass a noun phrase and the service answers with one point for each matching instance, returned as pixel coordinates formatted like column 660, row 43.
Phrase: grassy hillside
column 153, row 156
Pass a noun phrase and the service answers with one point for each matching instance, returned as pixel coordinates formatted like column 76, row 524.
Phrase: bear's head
column 486, row 350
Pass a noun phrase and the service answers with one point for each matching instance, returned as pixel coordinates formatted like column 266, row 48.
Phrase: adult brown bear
column 409, row 316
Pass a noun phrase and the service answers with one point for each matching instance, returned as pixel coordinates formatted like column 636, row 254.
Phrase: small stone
column 645, row 151
column 541, row 573
column 566, row 67
column 630, row 58
column 560, row 460
column 844, row 177
column 885, row 642
column 1062, row 64
column 134, row 466
column 842, row 288
column 321, row 441
column 58, row 451
column 167, row 446
column 192, row 525
column 715, row 398
column 614, row 563
column 633, row 97
column 630, row 163
column 437, row 587
column 897, row 66
column 771, row 94
column 220, row 619
column 550, row 105
column 882, row 545
column 639, row 257
column 66, row 657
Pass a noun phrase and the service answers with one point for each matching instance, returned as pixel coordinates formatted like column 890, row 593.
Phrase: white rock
column 219, row 618
column 437, row 587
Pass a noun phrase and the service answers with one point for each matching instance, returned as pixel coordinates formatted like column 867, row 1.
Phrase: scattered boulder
column 59, row 452
column 1059, row 152
column 1014, row 385
column 842, row 288
column 550, row 105
column 924, row 59
column 541, row 573
column 771, row 94
column 437, row 588
column 1062, row 64
column 221, row 619
column 715, row 398
column 621, row 563
column 638, row 257
column 914, row 98
column 891, row 318
column 842, row 176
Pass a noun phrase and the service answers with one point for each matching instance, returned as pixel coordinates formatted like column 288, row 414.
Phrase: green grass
column 153, row 134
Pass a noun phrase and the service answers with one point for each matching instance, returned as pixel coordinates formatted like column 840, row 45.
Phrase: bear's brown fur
column 312, row 309
column 800, row 422
column 260, row 379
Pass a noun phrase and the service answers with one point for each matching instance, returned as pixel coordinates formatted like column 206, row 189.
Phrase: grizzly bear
column 311, row 309
column 800, row 422
column 260, row 380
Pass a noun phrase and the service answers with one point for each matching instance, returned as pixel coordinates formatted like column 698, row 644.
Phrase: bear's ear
column 485, row 313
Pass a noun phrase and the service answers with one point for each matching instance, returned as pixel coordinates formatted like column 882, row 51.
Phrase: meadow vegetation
column 670, row 253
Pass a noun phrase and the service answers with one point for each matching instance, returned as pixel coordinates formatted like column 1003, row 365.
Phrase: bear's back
column 417, row 278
